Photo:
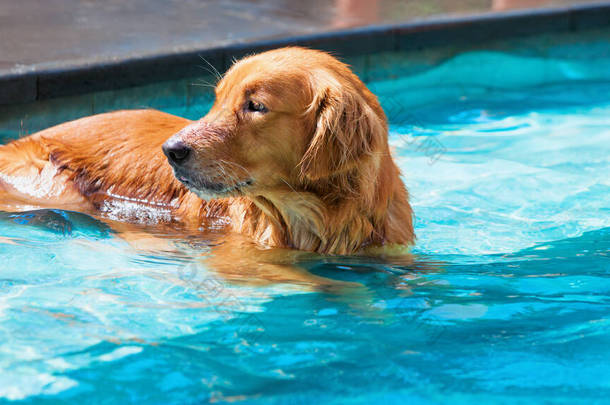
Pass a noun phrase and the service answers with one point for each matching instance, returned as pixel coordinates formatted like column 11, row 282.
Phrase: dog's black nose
column 176, row 151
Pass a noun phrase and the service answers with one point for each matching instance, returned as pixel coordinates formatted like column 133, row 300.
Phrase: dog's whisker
column 239, row 166
column 231, row 177
column 214, row 71
column 203, row 85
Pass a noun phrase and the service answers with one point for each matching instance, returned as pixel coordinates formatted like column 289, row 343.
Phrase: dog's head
column 287, row 119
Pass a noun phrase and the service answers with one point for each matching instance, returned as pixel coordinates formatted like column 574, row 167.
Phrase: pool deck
column 66, row 47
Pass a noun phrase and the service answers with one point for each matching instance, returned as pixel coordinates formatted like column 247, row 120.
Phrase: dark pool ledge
column 74, row 78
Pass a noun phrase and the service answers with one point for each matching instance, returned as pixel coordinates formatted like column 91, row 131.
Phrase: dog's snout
column 176, row 150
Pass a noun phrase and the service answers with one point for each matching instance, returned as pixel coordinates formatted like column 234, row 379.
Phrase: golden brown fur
column 312, row 171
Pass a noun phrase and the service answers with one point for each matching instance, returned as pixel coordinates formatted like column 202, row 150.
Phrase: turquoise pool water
column 507, row 159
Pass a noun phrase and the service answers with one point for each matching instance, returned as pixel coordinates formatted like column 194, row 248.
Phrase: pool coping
column 73, row 78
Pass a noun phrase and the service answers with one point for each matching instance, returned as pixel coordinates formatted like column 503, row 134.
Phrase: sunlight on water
column 507, row 300
column 530, row 176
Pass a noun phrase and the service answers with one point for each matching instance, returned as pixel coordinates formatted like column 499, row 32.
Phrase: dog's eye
column 254, row 106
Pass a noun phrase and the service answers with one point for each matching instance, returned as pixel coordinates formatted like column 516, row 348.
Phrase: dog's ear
column 346, row 130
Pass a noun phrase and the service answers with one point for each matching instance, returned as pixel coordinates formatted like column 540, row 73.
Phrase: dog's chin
column 210, row 190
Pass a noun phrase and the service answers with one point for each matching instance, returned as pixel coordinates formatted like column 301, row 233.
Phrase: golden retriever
column 293, row 153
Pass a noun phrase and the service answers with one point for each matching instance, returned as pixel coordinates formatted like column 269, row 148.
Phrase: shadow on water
column 52, row 222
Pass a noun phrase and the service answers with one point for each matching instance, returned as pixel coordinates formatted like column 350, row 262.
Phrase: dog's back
column 81, row 162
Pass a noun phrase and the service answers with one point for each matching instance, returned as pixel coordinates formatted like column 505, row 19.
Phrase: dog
column 293, row 154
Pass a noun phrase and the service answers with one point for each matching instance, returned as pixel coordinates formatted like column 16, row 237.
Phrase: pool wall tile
column 23, row 119
column 478, row 30
column 17, row 88
column 361, row 42
column 591, row 17
column 573, row 47
column 126, row 73
column 158, row 95
column 390, row 65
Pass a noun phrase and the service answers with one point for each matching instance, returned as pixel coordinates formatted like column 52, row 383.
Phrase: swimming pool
column 507, row 158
